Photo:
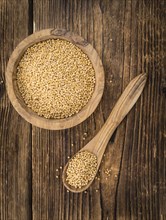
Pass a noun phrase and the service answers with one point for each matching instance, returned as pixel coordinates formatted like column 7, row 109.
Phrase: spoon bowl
column 98, row 144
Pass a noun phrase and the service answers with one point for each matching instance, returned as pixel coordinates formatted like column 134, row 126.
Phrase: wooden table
column 131, row 184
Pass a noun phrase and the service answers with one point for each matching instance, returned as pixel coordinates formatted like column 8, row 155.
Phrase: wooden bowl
column 16, row 98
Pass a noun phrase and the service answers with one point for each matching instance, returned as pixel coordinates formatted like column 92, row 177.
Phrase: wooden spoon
column 98, row 144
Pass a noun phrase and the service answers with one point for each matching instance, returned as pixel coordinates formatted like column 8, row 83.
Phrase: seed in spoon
column 81, row 169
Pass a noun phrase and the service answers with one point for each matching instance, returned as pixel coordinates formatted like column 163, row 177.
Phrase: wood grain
column 129, row 37
column 117, row 30
column 15, row 133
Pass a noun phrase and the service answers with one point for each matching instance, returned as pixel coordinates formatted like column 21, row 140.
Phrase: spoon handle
column 120, row 110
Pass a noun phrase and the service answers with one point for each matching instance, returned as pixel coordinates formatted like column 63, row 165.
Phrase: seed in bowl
column 55, row 78
column 81, row 169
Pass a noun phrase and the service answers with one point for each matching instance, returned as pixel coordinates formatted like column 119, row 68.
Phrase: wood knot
column 2, row 88
column 58, row 32
column 79, row 41
column 74, row 38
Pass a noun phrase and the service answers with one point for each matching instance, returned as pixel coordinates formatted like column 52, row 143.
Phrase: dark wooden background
column 129, row 37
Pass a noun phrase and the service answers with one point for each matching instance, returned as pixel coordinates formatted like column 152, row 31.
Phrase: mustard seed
column 81, row 169
column 55, row 78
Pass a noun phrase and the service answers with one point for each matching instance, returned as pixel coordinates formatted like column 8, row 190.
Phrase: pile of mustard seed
column 56, row 79
column 81, row 169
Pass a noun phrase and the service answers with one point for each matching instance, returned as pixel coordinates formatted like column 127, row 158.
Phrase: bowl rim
column 16, row 100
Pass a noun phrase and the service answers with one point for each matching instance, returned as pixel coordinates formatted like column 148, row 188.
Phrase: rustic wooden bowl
column 15, row 96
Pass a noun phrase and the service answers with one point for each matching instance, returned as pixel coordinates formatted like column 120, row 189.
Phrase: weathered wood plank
column 128, row 36
column 139, row 182
column 15, row 133
column 50, row 147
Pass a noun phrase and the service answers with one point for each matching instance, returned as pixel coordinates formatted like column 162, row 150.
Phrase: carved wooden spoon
column 98, row 144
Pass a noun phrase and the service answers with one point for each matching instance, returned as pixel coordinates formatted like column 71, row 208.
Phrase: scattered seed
column 107, row 172
column 60, row 167
column 57, row 170
column 57, row 177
